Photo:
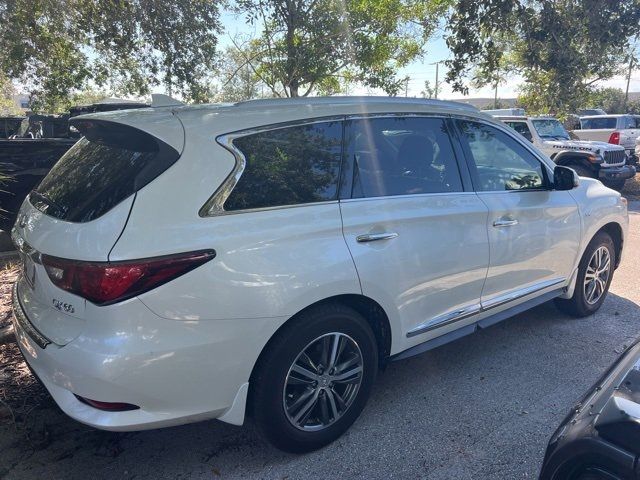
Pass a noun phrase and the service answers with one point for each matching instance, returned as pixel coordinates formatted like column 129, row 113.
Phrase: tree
column 56, row 47
column 428, row 91
column 560, row 47
column 611, row 100
column 7, row 104
column 314, row 45
column 237, row 81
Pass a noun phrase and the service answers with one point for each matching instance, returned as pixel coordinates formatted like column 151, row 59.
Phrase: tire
column 275, row 409
column 580, row 305
column 582, row 171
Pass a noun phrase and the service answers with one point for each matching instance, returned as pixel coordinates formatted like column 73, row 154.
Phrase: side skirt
column 474, row 327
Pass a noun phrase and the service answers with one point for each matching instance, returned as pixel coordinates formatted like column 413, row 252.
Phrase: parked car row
column 594, row 159
column 268, row 257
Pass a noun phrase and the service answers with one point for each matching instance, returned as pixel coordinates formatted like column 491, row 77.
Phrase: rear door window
column 288, row 166
column 110, row 163
column 401, row 155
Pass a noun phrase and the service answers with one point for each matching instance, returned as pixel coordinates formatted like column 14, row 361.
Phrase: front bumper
column 617, row 173
column 176, row 372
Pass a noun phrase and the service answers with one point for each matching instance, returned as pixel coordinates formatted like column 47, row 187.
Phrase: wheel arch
column 371, row 310
column 566, row 159
column 614, row 230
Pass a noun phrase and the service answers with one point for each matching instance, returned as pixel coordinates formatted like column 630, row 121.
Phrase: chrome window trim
column 214, row 206
column 483, row 306
column 408, row 195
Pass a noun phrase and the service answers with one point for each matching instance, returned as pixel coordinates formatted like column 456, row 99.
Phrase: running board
column 480, row 324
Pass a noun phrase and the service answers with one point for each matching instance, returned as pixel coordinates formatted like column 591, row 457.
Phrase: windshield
column 550, row 128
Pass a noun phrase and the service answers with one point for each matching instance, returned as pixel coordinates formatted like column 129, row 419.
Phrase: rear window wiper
column 48, row 202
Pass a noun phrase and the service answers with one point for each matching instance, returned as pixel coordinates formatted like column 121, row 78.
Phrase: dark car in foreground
column 600, row 438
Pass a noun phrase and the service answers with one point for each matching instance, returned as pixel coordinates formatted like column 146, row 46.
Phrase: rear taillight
column 103, row 283
column 615, row 138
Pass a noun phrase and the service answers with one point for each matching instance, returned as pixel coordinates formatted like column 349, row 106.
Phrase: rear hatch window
column 111, row 162
column 598, row 123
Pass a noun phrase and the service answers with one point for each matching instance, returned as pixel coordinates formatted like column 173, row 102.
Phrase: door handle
column 504, row 222
column 374, row 237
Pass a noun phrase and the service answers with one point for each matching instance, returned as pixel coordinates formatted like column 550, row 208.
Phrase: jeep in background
column 600, row 160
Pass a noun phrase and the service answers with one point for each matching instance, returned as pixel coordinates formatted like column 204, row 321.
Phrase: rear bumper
column 176, row 372
column 617, row 173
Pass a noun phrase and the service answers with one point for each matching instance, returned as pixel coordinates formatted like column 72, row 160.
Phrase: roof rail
column 160, row 100
column 349, row 100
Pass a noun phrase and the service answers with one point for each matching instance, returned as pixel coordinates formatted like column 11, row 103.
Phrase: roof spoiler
column 160, row 100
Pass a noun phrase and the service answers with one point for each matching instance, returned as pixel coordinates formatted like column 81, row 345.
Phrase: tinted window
column 598, row 123
column 402, row 156
column 522, row 128
column 108, row 164
column 288, row 166
column 499, row 162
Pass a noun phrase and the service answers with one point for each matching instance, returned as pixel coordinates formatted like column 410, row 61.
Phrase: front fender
column 599, row 206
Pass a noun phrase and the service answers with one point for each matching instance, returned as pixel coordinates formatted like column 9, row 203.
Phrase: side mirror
column 564, row 178
column 528, row 136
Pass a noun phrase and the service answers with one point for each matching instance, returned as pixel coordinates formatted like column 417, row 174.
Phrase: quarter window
column 498, row 161
column 288, row 166
column 401, row 156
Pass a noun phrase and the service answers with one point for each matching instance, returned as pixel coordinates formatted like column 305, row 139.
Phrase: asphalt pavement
column 480, row 408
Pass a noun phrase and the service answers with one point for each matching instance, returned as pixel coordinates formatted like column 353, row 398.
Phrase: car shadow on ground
column 480, row 407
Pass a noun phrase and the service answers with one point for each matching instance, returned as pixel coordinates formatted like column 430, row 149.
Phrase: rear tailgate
column 59, row 315
column 80, row 209
column 600, row 135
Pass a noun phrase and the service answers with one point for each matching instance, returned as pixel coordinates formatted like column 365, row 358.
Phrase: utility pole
column 626, row 93
column 406, row 87
column 437, row 64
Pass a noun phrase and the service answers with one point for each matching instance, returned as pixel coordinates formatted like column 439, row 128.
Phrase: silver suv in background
column 620, row 130
column 589, row 159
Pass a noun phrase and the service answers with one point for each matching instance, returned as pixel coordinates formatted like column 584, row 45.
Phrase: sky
column 425, row 68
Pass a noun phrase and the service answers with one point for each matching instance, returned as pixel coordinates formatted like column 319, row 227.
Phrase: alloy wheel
column 597, row 275
column 323, row 382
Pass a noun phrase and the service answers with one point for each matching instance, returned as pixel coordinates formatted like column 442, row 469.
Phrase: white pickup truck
column 620, row 130
column 600, row 160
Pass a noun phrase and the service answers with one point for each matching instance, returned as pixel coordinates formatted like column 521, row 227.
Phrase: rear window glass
column 106, row 166
column 288, row 166
column 598, row 123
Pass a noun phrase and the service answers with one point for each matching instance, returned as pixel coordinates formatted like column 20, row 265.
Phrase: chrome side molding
column 471, row 310
column 444, row 319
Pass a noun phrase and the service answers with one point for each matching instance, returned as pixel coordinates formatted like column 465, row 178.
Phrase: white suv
column 185, row 263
